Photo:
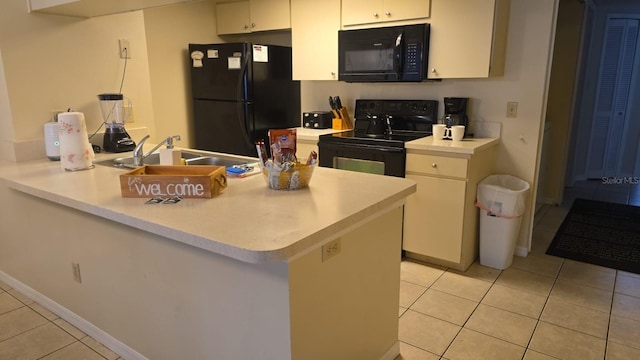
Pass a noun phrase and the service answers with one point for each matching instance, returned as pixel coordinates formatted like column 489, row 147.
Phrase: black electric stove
column 376, row 144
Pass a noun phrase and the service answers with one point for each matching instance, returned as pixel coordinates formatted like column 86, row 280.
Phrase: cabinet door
column 233, row 18
column 395, row 10
column 461, row 38
column 361, row 11
column 355, row 12
column 315, row 39
column 433, row 218
column 304, row 148
column 269, row 15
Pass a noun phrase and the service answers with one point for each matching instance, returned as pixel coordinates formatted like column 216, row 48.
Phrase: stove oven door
column 383, row 160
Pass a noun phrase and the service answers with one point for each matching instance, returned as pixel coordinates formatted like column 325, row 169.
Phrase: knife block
column 343, row 122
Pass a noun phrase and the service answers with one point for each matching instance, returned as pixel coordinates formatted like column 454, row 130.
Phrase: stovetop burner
column 389, row 122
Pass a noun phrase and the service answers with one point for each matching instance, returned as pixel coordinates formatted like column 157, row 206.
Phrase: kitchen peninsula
column 239, row 276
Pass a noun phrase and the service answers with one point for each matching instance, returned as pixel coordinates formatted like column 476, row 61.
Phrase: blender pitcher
column 115, row 113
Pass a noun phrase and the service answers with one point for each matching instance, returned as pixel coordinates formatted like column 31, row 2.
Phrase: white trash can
column 501, row 199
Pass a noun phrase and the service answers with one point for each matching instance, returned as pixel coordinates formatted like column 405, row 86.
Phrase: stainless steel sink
column 215, row 160
column 191, row 158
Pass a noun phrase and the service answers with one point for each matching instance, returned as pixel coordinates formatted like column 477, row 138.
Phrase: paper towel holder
column 76, row 152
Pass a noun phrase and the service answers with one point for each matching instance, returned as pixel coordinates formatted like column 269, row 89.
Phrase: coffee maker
column 115, row 113
column 455, row 113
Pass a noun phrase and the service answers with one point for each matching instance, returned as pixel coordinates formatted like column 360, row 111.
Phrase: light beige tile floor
column 29, row 331
column 542, row 307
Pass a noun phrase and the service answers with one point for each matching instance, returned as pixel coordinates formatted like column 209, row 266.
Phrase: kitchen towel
column 76, row 152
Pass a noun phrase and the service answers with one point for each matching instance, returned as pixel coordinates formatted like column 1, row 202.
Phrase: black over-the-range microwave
column 395, row 53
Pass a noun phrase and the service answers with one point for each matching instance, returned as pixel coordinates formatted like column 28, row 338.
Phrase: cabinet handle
column 434, row 165
column 333, row 73
column 433, row 70
column 253, row 25
column 246, row 26
column 375, row 14
column 388, row 13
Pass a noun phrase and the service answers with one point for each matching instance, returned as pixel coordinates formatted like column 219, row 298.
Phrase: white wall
column 6, row 128
column 562, row 86
column 56, row 62
column 531, row 32
column 169, row 32
column 169, row 62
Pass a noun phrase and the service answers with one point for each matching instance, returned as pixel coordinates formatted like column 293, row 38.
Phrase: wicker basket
column 294, row 178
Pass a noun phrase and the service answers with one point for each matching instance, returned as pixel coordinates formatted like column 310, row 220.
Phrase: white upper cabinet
column 238, row 17
column 357, row 12
column 91, row 8
column 468, row 38
column 314, row 36
column 233, row 18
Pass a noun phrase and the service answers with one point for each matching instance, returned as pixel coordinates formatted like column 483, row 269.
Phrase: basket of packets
column 283, row 171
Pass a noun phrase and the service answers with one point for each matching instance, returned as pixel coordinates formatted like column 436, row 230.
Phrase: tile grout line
column 470, row 315
column 613, row 294
column 546, row 301
column 52, row 322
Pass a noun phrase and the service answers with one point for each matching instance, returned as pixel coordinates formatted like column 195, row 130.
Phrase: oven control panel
column 407, row 114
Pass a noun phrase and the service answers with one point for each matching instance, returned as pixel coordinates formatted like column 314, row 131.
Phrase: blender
column 115, row 113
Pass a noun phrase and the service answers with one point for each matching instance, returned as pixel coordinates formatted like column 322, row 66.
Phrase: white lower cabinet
column 433, row 217
column 441, row 219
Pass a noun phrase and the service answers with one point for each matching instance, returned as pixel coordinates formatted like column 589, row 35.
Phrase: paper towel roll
column 76, row 152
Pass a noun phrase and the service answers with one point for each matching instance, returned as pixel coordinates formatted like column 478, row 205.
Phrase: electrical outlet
column 76, row 272
column 53, row 114
column 512, row 109
column 330, row 249
column 125, row 49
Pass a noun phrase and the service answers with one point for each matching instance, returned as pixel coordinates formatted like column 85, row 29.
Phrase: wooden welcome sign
column 196, row 181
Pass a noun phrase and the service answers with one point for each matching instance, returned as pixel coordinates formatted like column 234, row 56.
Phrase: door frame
column 586, row 92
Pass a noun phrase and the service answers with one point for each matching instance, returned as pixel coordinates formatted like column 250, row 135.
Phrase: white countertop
column 248, row 221
column 312, row 134
column 465, row 146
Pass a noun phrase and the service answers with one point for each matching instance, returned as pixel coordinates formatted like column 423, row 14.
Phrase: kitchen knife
column 338, row 103
column 334, row 108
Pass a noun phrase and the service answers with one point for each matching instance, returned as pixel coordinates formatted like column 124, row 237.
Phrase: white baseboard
column 521, row 251
column 392, row 353
column 88, row 328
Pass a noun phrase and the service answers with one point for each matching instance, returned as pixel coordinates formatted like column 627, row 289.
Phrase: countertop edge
column 211, row 244
column 447, row 146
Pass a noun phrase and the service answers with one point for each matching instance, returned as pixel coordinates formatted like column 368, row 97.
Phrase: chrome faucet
column 138, row 153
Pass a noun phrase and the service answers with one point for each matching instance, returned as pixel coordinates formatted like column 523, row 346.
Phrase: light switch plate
column 512, row 109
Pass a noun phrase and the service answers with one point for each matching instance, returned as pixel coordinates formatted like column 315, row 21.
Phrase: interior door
column 613, row 132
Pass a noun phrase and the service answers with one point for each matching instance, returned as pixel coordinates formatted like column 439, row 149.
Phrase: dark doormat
column 600, row 233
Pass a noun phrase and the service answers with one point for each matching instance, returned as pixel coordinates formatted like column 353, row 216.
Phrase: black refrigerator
column 240, row 91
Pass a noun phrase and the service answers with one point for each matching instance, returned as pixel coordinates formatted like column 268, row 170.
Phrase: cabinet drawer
column 437, row 165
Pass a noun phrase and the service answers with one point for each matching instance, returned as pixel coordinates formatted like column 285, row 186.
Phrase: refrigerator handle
column 243, row 79
column 243, row 112
column 243, row 101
